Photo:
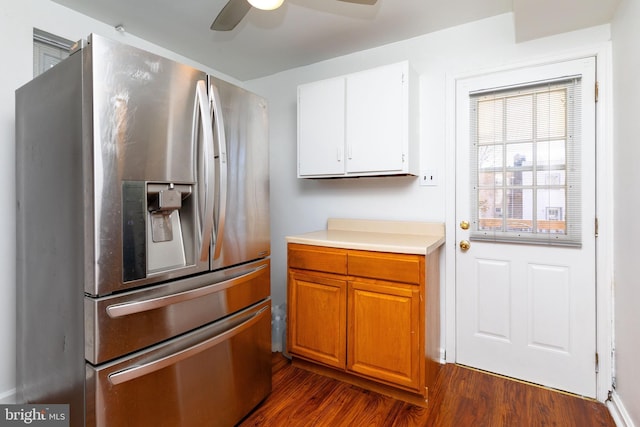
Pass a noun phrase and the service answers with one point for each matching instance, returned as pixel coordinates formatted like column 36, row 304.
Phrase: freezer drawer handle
column 148, row 368
column 125, row 309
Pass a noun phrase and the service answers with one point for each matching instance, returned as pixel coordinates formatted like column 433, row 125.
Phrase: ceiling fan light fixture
column 266, row 4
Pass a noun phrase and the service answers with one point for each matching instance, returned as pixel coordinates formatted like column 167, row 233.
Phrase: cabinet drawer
column 317, row 258
column 386, row 266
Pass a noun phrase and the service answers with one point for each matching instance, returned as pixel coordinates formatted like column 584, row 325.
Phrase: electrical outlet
column 429, row 177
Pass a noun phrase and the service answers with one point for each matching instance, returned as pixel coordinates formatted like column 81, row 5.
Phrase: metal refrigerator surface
column 142, row 241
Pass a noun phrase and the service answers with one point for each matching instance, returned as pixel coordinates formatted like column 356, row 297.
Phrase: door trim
column 604, row 206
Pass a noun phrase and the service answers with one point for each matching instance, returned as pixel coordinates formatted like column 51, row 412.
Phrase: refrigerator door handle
column 137, row 371
column 217, row 117
column 126, row 309
column 202, row 106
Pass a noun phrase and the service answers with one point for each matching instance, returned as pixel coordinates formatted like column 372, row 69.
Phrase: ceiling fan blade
column 361, row 1
column 231, row 15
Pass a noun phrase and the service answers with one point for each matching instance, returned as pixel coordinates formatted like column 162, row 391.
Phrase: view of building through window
column 524, row 146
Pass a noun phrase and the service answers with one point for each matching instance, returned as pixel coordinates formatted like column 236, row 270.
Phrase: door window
column 48, row 50
column 525, row 169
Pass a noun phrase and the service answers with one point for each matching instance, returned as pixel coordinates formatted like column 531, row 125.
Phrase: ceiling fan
column 233, row 12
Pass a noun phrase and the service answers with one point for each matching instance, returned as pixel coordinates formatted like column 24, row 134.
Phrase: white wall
column 17, row 20
column 626, row 77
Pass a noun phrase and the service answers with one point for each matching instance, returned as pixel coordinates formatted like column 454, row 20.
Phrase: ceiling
column 303, row 32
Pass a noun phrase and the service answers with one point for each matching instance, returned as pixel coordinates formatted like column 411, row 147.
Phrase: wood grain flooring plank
column 462, row 397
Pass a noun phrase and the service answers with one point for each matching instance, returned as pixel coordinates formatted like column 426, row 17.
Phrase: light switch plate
column 429, row 177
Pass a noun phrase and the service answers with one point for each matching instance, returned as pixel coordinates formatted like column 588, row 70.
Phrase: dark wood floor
column 462, row 397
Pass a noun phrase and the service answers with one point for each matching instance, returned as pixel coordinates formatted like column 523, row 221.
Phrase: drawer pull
column 134, row 372
column 125, row 309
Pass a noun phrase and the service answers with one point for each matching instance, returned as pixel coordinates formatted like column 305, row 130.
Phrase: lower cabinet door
column 384, row 332
column 318, row 318
column 213, row 376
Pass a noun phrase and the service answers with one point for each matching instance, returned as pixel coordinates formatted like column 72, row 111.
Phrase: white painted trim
column 450, row 226
column 604, row 211
column 8, row 397
column 618, row 412
column 604, row 191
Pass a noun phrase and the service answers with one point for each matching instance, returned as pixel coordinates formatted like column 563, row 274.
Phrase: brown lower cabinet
column 369, row 318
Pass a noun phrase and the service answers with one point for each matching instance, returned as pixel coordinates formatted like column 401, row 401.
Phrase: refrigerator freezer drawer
column 124, row 323
column 210, row 377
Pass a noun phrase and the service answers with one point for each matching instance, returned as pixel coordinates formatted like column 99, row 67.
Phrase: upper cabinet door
column 321, row 122
column 376, row 120
column 359, row 124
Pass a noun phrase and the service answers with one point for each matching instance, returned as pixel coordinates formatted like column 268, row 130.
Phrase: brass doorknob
column 464, row 225
column 465, row 245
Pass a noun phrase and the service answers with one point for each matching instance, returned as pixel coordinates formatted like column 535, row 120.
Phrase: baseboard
column 8, row 397
column 619, row 412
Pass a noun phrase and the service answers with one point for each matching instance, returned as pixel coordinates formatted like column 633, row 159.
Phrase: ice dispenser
column 158, row 228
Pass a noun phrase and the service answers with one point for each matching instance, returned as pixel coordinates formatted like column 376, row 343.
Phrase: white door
column 525, row 183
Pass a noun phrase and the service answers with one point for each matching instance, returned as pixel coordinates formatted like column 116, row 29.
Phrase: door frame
column 604, row 206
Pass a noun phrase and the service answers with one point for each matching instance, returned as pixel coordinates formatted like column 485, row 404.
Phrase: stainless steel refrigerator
column 143, row 275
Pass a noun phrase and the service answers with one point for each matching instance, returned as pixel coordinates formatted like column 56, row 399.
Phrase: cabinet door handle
column 339, row 153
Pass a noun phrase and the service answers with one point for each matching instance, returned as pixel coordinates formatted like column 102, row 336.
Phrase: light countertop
column 406, row 237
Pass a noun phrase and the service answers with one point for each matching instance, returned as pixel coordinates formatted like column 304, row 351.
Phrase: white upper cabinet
column 361, row 124
column 321, row 128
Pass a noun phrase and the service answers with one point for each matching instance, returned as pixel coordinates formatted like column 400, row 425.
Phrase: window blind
column 525, row 163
